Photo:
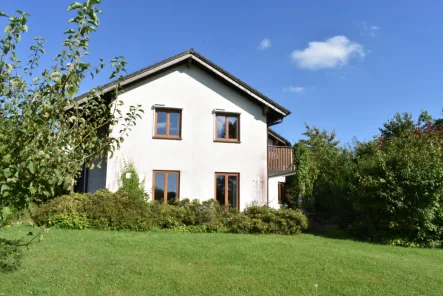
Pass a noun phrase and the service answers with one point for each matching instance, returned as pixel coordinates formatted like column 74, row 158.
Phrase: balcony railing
column 280, row 160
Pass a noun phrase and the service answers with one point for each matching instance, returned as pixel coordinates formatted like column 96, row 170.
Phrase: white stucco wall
column 196, row 156
column 273, row 191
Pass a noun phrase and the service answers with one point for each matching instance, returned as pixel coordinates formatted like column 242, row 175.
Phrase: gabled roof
column 191, row 56
column 278, row 137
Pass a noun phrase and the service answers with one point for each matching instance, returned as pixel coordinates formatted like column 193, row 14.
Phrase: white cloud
column 294, row 89
column 370, row 30
column 264, row 44
column 332, row 53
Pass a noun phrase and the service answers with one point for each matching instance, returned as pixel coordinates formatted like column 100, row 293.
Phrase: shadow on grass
column 10, row 255
column 11, row 251
column 319, row 226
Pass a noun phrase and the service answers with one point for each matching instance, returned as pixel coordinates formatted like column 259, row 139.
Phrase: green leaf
column 7, row 158
column 3, row 14
column 74, row 5
column 92, row 2
column 32, row 189
column 31, row 167
column 69, row 31
column 8, row 29
column 7, row 172
column 5, row 188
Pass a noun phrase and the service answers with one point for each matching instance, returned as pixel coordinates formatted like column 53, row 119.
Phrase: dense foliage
column 389, row 189
column 398, row 195
column 118, row 211
column 323, row 171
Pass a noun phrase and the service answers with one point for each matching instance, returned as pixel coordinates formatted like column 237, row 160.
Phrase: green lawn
column 166, row 263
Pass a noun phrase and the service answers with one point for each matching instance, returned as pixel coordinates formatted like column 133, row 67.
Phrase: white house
column 205, row 134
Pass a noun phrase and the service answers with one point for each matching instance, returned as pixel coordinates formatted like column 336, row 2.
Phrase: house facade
column 204, row 134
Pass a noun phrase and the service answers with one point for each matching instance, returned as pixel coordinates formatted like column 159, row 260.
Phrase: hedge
column 117, row 211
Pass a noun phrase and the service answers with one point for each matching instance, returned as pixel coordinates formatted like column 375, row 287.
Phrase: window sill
column 226, row 141
column 166, row 138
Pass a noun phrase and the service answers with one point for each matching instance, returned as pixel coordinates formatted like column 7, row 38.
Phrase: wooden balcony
column 280, row 160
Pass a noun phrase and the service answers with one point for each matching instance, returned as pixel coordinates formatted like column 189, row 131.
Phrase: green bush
column 399, row 194
column 283, row 221
column 119, row 211
column 130, row 183
column 101, row 210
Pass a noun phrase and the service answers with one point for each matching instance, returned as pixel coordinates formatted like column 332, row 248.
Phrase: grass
column 87, row 262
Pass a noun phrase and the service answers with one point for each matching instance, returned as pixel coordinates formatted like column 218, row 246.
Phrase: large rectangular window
column 167, row 123
column 227, row 127
column 227, row 189
column 166, row 186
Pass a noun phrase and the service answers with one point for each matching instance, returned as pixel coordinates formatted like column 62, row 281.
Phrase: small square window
column 167, row 123
column 227, row 127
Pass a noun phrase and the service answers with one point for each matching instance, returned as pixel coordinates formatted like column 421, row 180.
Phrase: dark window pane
column 174, row 128
column 220, row 189
column 221, row 126
column 232, row 126
column 232, row 191
column 159, row 186
column 161, row 123
column 172, row 187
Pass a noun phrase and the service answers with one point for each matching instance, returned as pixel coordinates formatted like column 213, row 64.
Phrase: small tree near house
column 45, row 134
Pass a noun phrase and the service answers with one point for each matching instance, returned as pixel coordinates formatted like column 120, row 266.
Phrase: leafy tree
column 322, row 170
column 402, row 124
column 45, row 133
column 398, row 192
column 303, row 181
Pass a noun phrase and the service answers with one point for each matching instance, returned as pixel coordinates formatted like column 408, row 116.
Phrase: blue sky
column 343, row 65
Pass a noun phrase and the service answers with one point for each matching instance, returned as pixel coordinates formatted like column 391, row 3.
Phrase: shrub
column 119, row 211
column 107, row 210
column 399, row 193
column 101, row 210
column 283, row 221
column 130, row 182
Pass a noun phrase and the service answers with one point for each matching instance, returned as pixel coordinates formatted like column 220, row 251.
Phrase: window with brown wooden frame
column 281, row 192
column 167, row 123
column 166, row 186
column 227, row 127
column 227, row 189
